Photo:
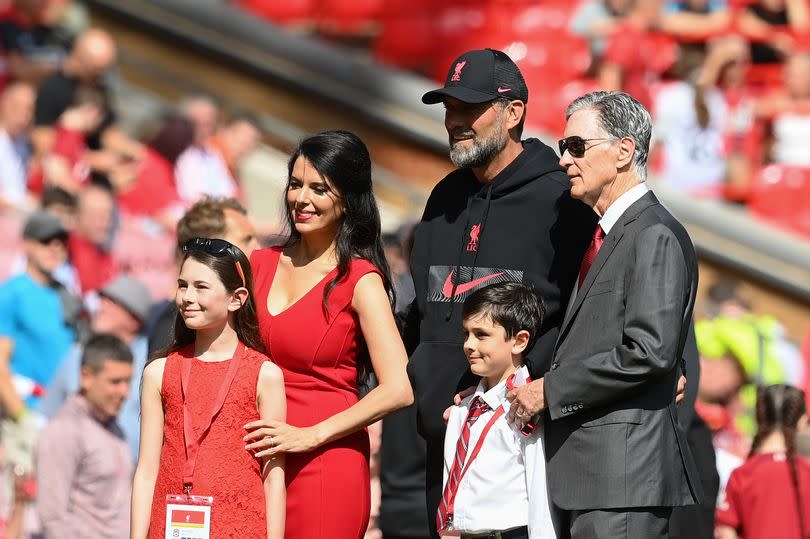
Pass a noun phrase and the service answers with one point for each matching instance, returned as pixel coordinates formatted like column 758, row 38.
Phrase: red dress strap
column 341, row 296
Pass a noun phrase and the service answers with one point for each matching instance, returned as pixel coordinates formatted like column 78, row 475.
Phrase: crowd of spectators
column 88, row 221
column 89, row 213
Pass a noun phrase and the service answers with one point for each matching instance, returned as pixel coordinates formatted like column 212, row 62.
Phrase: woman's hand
column 268, row 437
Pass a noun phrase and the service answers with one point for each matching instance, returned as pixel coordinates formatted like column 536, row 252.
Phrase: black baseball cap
column 479, row 76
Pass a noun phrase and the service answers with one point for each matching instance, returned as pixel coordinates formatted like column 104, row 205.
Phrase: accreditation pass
column 188, row 517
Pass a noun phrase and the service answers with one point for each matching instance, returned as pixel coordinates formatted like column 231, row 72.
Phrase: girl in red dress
column 324, row 304
column 214, row 379
column 769, row 495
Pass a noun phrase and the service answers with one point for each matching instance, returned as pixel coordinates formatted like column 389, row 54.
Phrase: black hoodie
column 522, row 226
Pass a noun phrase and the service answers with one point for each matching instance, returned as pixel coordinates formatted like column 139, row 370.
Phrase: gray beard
column 481, row 153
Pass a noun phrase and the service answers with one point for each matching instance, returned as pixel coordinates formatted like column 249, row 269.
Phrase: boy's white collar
column 496, row 396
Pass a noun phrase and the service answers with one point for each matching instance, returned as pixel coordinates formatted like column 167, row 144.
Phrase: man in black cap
column 504, row 215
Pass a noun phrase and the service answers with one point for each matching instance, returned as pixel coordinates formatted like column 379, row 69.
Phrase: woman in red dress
column 324, row 302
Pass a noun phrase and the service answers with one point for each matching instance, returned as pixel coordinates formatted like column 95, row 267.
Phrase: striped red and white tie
column 477, row 407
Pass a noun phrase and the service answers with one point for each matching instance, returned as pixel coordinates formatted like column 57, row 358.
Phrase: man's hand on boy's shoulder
column 527, row 401
column 457, row 398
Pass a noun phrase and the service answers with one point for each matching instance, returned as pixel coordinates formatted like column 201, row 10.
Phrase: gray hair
column 620, row 115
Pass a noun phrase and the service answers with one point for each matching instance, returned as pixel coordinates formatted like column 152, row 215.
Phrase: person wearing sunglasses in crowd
column 214, row 378
column 617, row 461
column 503, row 215
column 325, row 313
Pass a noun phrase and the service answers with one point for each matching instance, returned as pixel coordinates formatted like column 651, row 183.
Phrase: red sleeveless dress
column 224, row 470
column 328, row 488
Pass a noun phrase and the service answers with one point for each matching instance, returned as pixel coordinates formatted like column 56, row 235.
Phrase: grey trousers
column 634, row 523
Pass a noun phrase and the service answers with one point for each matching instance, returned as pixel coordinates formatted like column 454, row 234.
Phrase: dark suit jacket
column 613, row 439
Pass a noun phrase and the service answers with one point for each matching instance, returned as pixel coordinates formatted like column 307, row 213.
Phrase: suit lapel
column 608, row 246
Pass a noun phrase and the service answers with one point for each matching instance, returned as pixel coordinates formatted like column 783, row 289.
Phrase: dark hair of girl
column 779, row 407
column 343, row 161
column 246, row 322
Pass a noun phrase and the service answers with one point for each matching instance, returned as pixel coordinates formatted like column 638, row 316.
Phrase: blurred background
column 119, row 115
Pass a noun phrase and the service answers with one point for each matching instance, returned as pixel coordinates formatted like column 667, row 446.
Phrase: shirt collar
column 496, row 396
column 620, row 205
column 82, row 403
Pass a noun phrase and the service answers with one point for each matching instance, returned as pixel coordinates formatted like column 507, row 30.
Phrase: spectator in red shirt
column 152, row 191
column 89, row 242
column 66, row 166
column 93, row 54
column 769, row 495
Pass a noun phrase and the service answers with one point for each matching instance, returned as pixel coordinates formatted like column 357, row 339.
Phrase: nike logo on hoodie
column 461, row 288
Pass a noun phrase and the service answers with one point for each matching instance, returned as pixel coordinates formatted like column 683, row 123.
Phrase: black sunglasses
column 212, row 246
column 215, row 247
column 576, row 145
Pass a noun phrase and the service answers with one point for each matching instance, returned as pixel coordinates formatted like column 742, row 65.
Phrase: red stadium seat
column 283, row 12
column 781, row 195
column 764, row 77
column 535, row 21
column 459, row 28
column 406, row 41
column 348, row 17
column 395, row 8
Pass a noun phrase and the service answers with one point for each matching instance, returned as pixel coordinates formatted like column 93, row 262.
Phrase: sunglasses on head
column 215, row 247
column 576, row 145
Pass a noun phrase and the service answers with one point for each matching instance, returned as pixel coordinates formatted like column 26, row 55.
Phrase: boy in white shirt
column 494, row 475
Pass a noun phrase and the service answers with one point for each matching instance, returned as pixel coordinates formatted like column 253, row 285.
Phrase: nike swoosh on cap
column 504, row 90
column 447, row 289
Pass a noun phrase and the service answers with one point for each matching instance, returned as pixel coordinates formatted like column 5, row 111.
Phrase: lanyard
column 193, row 442
column 477, row 449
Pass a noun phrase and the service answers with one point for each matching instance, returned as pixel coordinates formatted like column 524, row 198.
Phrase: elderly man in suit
column 617, row 461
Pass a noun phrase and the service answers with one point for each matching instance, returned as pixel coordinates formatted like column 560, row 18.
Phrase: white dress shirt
column 620, row 205
column 505, row 486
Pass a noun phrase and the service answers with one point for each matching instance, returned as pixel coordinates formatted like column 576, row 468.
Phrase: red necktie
column 590, row 253
column 477, row 407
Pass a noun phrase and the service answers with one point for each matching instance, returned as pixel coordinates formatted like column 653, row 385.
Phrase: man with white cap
column 124, row 307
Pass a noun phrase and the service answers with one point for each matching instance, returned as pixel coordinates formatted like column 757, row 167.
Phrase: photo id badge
column 188, row 517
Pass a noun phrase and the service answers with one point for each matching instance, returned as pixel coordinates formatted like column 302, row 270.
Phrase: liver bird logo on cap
column 457, row 73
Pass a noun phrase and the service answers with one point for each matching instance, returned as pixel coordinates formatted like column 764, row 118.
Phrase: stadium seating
column 780, row 194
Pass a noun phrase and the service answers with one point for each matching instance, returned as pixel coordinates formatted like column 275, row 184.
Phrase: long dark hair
column 780, row 407
column 246, row 322
column 342, row 159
